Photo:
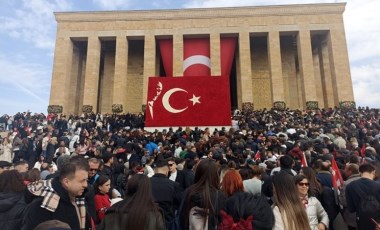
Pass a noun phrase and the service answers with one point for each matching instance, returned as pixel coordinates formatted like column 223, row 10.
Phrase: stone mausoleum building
column 288, row 55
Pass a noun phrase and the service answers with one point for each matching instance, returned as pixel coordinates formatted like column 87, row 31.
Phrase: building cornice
column 201, row 13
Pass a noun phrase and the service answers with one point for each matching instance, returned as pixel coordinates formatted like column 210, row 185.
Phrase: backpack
column 368, row 211
column 198, row 218
column 228, row 222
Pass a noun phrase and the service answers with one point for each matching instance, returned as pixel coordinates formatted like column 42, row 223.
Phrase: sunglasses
column 303, row 184
column 171, row 165
column 93, row 170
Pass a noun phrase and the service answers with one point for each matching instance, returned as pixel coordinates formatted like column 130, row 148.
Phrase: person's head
column 286, row 162
column 302, row 184
column 94, row 167
column 61, row 160
column 62, row 144
column 44, row 166
column 11, row 181
column 41, row 158
column 172, row 165
column 139, row 199
column 189, row 164
column 107, row 158
column 286, row 198
column 32, row 175
column 73, row 176
column 161, row 166
column 4, row 166
column 102, row 185
column 257, row 171
column 206, row 173
column 351, row 169
column 22, row 166
column 232, row 182
column 52, row 224
column 325, row 166
column 367, row 170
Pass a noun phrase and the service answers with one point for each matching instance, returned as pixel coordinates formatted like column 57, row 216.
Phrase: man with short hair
column 61, row 198
column 359, row 190
column 93, row 172
column 166, row 193
column 177, row 175
column 286, row 163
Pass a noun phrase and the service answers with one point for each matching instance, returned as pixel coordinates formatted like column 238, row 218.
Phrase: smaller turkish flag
column 188, row 101
column 303, row 160
column 257, row 156
column 337, row 176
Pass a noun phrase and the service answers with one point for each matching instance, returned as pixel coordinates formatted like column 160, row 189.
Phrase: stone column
column 75, row 81
column 91, row 81
column 106, row 89
column 60, row 83
column 275, row 65
column 177, row 54
column 318, row 79
column 149, row 63
column 121, row 68
column 306, row 67
column 245, row 68
column 340, row 67
column 328, row 90
column 215, row 54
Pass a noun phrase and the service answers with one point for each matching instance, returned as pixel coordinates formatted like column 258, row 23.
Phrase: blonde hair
column 288, row 202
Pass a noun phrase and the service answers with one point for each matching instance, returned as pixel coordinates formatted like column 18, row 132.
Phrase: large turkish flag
column 188, row 101
column 196, row 57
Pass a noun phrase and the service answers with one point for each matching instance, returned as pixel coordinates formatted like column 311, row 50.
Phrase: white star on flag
column 195, row 100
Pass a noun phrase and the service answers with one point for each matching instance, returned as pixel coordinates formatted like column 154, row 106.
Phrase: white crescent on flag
column 166, row 104
column 196, row 59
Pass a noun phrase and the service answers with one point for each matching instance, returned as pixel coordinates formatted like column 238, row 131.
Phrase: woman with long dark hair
column 137, row 211
column 288, row 209
column 243, row 209
column 12, row 204
column 203, row 200
column 102, row 200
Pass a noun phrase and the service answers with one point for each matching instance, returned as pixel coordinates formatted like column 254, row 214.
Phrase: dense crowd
column 273, row 169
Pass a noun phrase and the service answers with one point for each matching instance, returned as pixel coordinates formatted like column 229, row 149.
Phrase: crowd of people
column 272, row 169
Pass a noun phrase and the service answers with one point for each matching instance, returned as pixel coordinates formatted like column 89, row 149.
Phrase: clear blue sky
column 27, row 37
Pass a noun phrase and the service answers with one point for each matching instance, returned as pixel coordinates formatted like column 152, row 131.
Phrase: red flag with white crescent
column 303, row 160
column 196, row 57
column 188, row 101
column 337, row 176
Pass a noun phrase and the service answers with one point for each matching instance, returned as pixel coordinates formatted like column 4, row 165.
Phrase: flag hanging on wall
column 196, row 57
column 188, row 101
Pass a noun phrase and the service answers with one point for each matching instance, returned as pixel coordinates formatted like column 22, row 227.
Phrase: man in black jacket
column 356, row 194
column 61, row 198
column 166, row 193
column 178, row 176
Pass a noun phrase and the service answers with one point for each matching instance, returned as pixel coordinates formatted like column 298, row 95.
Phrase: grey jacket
column 316, row 214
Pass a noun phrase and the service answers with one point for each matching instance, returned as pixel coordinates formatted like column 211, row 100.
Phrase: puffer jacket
column 12, row 206
column 316, row 213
